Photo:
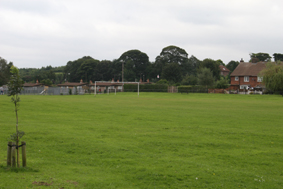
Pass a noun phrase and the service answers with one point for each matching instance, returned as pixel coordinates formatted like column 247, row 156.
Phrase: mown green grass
column 156, row 140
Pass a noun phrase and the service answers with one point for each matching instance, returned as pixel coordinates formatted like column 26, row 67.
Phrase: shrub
column 222, row 83
column 162, row 81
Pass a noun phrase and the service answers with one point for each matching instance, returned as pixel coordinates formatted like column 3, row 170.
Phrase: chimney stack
column 81, row 81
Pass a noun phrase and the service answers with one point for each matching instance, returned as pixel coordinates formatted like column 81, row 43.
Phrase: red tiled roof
column 224, row 69
column 115, row 84
column 248, row 69
column 71, row 84
column 32, row 84
column 107, row 84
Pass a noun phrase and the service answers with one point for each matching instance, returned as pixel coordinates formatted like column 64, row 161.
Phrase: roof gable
column 249, row 69
column 223, row 68
column 71, row 84
column 32, row 84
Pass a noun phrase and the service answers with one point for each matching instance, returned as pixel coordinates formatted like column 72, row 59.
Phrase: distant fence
column 160, row 88
column 49, row 91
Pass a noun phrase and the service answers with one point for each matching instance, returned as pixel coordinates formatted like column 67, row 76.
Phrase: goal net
column 106, row 87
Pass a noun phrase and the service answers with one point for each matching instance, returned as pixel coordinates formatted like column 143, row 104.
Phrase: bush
column 162, row 81
column 189, row 80
column 222, row 83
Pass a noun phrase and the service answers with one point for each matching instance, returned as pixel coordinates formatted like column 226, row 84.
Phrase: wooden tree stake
column 9, row 161
column 24, row 158
column 13, row 154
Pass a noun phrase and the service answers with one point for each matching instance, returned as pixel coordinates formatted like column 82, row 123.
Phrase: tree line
column 172, row 65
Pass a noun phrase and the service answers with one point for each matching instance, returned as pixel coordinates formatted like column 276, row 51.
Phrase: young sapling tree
column 14, row 88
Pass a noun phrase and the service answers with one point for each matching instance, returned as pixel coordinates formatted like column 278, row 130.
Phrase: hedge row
column 146, row 87
column 192, row 89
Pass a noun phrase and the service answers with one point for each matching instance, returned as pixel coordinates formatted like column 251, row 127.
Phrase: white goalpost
column 115, row 84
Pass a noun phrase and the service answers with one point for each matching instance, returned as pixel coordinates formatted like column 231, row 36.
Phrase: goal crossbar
column 115, row 84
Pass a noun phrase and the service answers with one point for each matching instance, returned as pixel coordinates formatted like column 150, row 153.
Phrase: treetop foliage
column 257, row 57
column 136, row 67
column 5, row 71
column 205, row 77
column 278, row 57
column 15, row 84
column 172, row 54
column 212, row 65
column 273, row 76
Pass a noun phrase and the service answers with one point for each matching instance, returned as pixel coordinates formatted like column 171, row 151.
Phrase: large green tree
column 135, row 62
column 220, row 62
column 205, row 77
column 5, row 71
column 257, row 57
column 54, row 74
column 190, row 66
column 212, row 65
column 172, row 54
column 82, row 68
column 189, row 80
column 172, row 73
column 278, row 57
column 232, row 65
column 273, row 76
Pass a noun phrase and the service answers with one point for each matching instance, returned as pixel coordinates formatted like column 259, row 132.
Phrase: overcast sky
column 36, row 33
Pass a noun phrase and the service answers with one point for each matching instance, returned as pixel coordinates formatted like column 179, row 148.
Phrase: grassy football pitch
column 156, row 140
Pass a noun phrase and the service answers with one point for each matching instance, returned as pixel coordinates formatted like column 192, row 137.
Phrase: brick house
column 111, row 85
column 72, row 84
column 33, row 85
column 246, row 75
column 104, row 86
column 224, row 71
column 78, row 87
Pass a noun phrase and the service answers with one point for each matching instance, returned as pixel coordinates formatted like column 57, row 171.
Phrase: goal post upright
column 95, row 89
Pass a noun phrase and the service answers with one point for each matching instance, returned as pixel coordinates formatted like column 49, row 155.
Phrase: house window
column 259, row 79
column 236, row 78
column 246, row 79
